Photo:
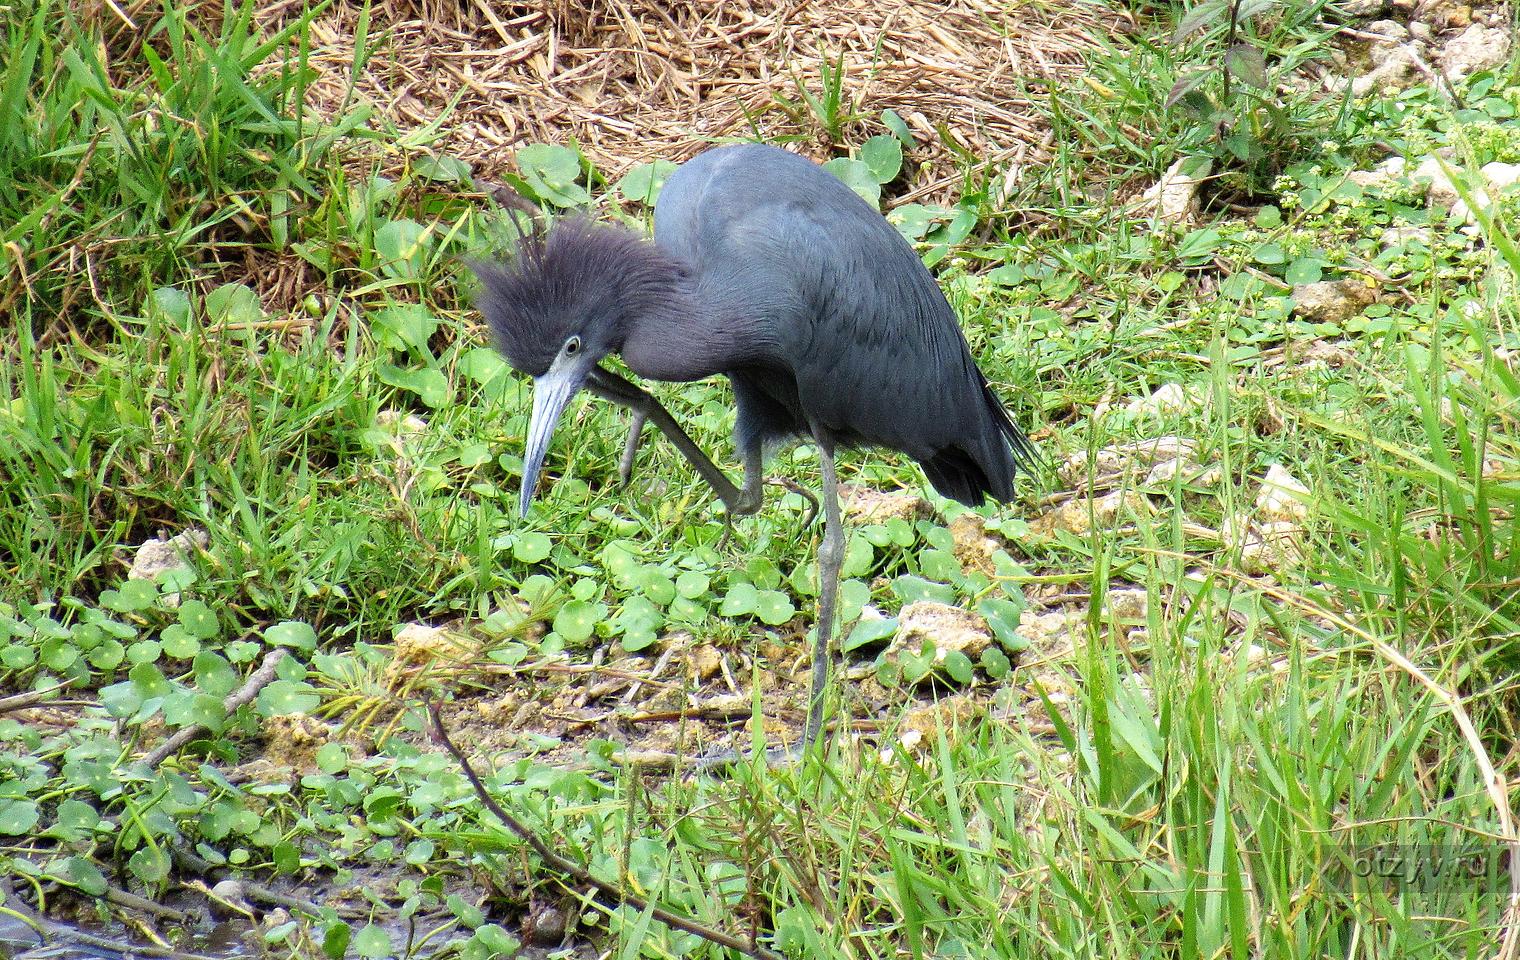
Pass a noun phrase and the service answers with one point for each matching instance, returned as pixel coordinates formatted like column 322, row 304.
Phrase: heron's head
column 560, row 304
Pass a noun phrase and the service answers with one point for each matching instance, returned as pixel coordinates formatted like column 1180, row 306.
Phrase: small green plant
column 829, row 109
column 1240, row 120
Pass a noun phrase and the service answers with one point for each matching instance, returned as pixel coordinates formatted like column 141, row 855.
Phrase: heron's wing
column 849, row 309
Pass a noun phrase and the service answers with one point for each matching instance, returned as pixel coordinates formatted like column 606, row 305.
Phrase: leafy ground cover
column 1205, row 697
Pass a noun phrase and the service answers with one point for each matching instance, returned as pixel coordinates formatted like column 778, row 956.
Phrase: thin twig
column 248, row 889
column 256, row 681
column 31, row 698
column 575, row 870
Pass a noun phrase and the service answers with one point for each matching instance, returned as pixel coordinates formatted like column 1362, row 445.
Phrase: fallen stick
column 256, row 681
column 581, row 874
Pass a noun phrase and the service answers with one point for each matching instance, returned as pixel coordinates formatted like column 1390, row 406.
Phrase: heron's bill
column 551, row 394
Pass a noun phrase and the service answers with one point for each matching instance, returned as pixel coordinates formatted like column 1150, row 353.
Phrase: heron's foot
column 792, row 486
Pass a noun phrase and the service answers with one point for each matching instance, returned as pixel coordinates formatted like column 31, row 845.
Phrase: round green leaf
column 403, row 247
column 372, row 943
column 429, row 384
column 774, row 607
column 551, row 173
column 81, row 872
column 532, row 547
column 17, row 817
column 234, row 304
column 168, row 303
column 178, row 642
column 858, row 177
column 404, row 326
column 740, row 600
column 959, row 666
column 642, row 184
column 883, row 156
column 292, row 633
column 214, row 676
column 576, row 620
column 284, row 697
column 692, row 584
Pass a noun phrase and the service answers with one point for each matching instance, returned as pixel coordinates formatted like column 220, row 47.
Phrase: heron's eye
column 572, row 346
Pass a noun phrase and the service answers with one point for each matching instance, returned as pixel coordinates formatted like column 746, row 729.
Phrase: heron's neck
column 691, row 335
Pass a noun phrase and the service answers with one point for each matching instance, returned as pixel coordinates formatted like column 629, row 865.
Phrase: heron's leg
column 830, row 561
column 631, row 447
column 610, row 386
column 751, row 495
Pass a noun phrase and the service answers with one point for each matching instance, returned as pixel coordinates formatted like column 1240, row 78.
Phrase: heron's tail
column 996, row 452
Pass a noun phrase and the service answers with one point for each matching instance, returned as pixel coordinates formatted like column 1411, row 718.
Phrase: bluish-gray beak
column 551, row 394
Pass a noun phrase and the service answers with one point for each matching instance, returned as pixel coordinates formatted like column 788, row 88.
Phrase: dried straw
column 631, row 80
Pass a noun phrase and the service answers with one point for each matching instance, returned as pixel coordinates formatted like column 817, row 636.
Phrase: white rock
column 1381, row 175
column 1395, row 71
column 1475, row 49
column 1498, row 177
column 864, row 505
column 1267, row 548
column 1080, row 515
column 1283, row 497
column 160, row 555
column 1442, row 192
column 1196, row 474
column 1392, row 33
column 1128, row 604
column 1114, row 461
column 1046, row 630
column 946, row 627
column 1394, row 236
column 1363, row 8
column 1168, row 398
column 1174, row 198
column 1331, row 301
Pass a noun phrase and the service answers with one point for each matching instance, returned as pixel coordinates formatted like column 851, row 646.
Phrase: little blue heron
column 769, row 270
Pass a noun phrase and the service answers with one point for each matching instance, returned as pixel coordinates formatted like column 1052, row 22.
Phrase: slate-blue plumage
column 824, row 317
column 768, row 269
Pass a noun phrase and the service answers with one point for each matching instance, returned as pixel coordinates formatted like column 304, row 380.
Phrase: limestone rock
column 864, row 505
column 1331, row 301
column 1174, row 198
column 1168, row 398
column 1268, row 548
column 706, row 661
column 946, row 627
column 1114, row 462
column 1395, row 71
column 973, row 548
column 1475, row 49
column 1283, row 497
column 161, row 554
column 1384, row 174
column 1127, row 604
column 1442, row 192
column 1079, row 515
column 1498, row 177
column 1050, row 629
column 416, row 644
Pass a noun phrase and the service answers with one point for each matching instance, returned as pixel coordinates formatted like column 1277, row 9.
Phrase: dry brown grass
column 631, row 80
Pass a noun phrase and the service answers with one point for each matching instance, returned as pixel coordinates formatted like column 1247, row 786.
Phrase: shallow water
column 223, row 941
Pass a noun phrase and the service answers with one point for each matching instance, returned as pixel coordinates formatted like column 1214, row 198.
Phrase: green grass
column 224, row 314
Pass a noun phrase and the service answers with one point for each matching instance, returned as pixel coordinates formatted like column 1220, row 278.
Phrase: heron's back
column 858, row 338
